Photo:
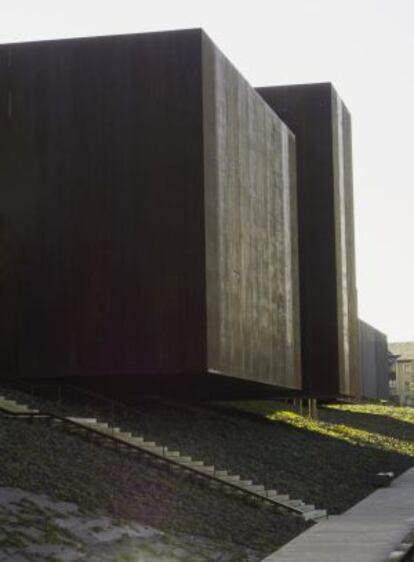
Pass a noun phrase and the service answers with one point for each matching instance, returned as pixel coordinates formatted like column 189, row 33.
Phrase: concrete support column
column 312, row 408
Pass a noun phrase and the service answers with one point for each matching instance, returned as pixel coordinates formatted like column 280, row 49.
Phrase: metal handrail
column 110, row 402
column 154, row 454
column 94, row 394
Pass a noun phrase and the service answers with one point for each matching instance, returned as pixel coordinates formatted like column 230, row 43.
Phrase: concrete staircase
column 138, row 444
column 13, row 408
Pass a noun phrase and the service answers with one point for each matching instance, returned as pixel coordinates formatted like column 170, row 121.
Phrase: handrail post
column 112, row 416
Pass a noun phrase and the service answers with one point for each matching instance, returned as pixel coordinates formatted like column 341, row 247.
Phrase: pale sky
column 365, row 48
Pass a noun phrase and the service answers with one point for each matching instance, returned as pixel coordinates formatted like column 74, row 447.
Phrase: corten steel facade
column 375, row 370
column 328, row 297
column 148, row 213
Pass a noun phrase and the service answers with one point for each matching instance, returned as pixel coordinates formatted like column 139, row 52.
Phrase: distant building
column 402, row 376
column 375, row 366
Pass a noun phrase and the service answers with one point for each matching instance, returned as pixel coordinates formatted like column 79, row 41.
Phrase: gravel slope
column 42, row 459
column 328, row 472
column 319, row 469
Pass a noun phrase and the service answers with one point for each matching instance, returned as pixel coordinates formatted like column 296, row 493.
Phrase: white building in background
column 402, row 378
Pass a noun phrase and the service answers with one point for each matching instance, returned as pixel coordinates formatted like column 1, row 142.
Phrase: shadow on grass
column 387, row 421
column 324, row 469
column 368, row 421
column 396, row 412
column 351, row 434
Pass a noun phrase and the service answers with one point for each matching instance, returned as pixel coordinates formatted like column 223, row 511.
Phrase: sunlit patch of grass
column 345, row 433
column 396, row 412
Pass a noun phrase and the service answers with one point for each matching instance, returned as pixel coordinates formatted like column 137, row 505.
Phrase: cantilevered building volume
column 328, row 297
column 148, row 215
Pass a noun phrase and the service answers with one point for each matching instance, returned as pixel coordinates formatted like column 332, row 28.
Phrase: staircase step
column 209, row 469
column 315, row 514
column 173, row 454
column 270, row 493
column 87, row 421
column 185, row 460
column 307, row 507
column 231, row 478
column 100, row 427
column 152, row 448
column 17, row 408
column 137, row 439
column 221, row 473
column 198, row 464
column 295, row 503
column 7, row 404
column 124, row 440
column 281, row 498
column 245, row 483
column 256, row 488
column 106, row 430
column 107, row 427
column 125, row 434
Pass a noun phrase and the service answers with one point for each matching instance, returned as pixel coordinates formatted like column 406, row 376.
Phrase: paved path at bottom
column 368, row 532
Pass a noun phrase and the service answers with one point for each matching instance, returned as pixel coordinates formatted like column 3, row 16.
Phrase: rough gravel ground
column 321, row 469
column 36, row 528
column 42, row 459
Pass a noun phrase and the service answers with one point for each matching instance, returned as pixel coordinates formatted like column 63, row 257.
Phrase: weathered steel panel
column 147, row 213
column 348, row 336
column 101, row 202
column 251, row 239
column 328, row 297
column 374, row 362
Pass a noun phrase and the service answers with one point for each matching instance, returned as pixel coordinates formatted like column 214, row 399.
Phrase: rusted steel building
column 147, row 214
column 328, row 296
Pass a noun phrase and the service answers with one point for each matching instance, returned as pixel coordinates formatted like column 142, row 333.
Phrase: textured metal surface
column 147, row 213
column 101, row 206
column 348, row 337
column 251, row 233
column 328, row 297
column 374, row 362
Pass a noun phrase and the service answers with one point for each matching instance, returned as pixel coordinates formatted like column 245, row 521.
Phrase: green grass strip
column 345, row 433
column 395, row 412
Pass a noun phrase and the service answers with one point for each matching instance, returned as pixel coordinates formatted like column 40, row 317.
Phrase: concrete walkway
column 368, row 532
